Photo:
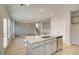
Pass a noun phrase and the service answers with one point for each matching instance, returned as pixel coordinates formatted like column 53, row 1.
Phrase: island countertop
column 38, row 38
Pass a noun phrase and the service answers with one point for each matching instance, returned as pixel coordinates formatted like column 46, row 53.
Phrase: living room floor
column 17, row 47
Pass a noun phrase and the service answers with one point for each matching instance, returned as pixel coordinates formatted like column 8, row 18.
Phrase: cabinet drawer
column 54, row 39
column 37, row 44
column 34, row 45
column 38, row 51
column 50, row 40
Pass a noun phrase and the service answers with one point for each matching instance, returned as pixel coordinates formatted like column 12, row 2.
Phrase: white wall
column 1, row 31
column 61, row 25
column 3, row 13
column 21, row 28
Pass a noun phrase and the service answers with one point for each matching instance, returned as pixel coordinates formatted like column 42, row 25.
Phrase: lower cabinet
column 38, row 51
column 59, row 42
column 54, row 47
column 48, row 49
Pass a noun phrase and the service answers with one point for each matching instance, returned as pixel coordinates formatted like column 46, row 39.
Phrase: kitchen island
column 43, row 44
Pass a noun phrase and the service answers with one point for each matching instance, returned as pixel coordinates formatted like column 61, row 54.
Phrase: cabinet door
column 54, row 47
column 59, row 43
column 48, row 49
column 38, row 50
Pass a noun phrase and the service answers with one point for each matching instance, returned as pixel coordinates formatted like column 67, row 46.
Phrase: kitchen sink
column 46, row 36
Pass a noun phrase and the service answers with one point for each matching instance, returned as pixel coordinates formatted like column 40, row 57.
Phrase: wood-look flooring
column 69, row 50
column 17, row 47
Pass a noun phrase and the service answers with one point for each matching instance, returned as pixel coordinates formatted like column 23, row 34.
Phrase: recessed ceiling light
column 27, row 5
column 51, row 14
column 41, row 10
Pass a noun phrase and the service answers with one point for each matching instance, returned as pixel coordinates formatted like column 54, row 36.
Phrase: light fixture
column 51, row 14
column 41, row 10
column 24, row 5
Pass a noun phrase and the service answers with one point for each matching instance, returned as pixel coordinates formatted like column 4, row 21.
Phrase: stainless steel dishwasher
column 59, row 43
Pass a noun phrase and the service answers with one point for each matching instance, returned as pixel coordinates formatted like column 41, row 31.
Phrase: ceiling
column 37, row 12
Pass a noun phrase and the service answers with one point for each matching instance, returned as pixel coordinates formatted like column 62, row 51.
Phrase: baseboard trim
column 76, row 43
column 67, row 43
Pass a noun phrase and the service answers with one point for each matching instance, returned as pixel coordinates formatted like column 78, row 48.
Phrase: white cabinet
column 48, row 49
column 54, row 47
column 50, row 46
column 38, row 50
column 59, row 43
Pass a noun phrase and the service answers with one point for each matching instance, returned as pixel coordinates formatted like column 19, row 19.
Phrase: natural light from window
column 5, row 32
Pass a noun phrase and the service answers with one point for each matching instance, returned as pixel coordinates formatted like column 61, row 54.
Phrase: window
column 8, row 30
column 10, row 27
column 5, row 38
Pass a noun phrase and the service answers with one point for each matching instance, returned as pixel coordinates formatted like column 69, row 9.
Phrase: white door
column 75, row 33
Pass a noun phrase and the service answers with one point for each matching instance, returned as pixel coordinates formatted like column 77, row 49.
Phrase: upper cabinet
column 75, row 17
